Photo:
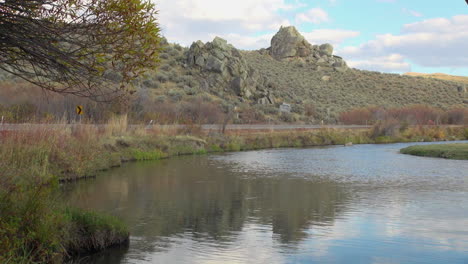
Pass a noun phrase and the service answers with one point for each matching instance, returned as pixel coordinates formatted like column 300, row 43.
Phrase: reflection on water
column 366, row 203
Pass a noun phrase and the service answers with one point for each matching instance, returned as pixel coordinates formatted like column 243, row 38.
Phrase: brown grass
column 441, row 76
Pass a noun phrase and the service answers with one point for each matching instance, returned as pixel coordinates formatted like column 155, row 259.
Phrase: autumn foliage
column 411, row 115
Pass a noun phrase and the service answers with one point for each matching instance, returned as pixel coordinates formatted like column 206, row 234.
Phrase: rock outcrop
column 288, row 43
column 219, row 57
column 224, row 67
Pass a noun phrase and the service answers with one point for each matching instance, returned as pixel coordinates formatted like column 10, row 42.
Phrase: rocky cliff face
column 225, row 66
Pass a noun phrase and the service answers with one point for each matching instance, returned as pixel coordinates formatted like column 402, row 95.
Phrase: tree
column 88, row 48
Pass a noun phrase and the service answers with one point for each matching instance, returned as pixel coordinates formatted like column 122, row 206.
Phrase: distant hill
column 213, row 78
column 441, row 76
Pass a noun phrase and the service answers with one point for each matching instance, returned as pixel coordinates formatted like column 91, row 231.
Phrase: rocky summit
column 289, row 43
column 316, row 83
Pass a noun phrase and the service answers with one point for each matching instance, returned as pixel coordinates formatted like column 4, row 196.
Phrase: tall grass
column 34, row 227
column 117, row 125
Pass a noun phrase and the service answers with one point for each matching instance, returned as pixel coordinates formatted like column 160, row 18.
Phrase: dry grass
column 117, row 125
column 441, row 76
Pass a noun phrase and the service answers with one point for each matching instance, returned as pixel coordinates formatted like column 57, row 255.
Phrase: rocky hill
column 308, row 77
column 311, row 79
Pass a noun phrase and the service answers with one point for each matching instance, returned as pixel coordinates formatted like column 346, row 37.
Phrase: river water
column 360, row 204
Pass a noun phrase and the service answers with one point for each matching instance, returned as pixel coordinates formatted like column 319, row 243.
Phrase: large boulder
column 326, row 49
column 288, row 42
column 225, row 67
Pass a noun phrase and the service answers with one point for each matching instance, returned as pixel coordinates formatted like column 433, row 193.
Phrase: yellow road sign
column 79, row 110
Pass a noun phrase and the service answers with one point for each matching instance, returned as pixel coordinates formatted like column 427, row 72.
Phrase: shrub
column 298, row 109
column 416, row 114
column 358, row 116
column 173, row 62
column 160, row 99
column 174, row 52
column 268, row 109
column 162, row 77
column 388, row 128
column 287, row 117
column 165, row 67
column 148, row 83
column 178, row 47
column 458, row 116
column 197, row 111
column 175, row 95
column 410, row 115
column 310, row 110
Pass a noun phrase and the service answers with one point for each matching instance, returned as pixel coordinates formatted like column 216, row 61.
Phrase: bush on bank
column 35, row 228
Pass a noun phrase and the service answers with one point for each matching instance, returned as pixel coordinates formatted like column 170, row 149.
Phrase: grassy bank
column 34, row 227
column 447, row 151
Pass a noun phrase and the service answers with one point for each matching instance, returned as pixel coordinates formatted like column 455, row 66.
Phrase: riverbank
column 446, row 151
column 34, row 161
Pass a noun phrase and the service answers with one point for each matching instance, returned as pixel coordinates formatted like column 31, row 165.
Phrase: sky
column 396, row 36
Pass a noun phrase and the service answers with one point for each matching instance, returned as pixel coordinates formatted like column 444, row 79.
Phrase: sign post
column 79, row 111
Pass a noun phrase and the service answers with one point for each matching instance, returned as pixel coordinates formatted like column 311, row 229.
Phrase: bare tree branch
column 72, row 46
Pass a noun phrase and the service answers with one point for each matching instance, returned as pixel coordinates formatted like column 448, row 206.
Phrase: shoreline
column 75, row 155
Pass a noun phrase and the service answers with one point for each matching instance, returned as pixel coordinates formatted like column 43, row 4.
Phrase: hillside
column 441, row 76
column 207, row 81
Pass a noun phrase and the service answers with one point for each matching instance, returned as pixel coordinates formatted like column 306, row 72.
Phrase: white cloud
column 248, row 42
column 247, row 24
column 332, row 36
column 438, row 42
column 184, row 21
column 314, row 15
column 391, row 63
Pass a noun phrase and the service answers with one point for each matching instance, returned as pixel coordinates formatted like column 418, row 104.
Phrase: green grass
column 36, row 228
column 447, row 151
column 139, row 154
column 92, row 232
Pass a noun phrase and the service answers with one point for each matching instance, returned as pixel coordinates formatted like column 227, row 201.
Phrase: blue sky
column 383, row 35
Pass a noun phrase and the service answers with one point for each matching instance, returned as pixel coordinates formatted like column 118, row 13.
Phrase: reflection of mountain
column 192, row 195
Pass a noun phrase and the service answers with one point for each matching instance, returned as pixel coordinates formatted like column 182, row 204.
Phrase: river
column 359, row 204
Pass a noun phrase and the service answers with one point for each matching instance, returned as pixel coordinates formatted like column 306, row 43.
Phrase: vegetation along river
column 359, row 204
